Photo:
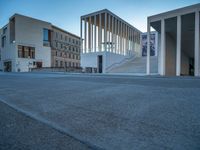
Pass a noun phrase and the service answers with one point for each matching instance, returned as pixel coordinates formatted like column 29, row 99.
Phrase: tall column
column 148, row 47
column 109, row 48
column 132, row 39
column 100, row 34
column 89, row 35
column 85, row 34
column 197, row 50
column 115, row 20
column 118, row 37
column 92, row 50
column 105, row 32
column 81, row 36
column 162, row 69
column 126, row 40
column 178, row 47
column 112, row 48
column 121, row 37
column 95, row 34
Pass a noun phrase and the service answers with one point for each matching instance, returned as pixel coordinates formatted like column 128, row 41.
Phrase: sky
column 66, row 13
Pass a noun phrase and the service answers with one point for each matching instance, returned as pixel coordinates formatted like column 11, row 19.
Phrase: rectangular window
column 26, row 52
column 56, row 64
column 19, row 51
column 3, row 41
column 12, row 30
column 45, row 35
column 61, row 64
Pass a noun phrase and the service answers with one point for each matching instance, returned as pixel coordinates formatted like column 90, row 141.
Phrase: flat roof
column 53, row 26
column 179, row 11
column 108, row 11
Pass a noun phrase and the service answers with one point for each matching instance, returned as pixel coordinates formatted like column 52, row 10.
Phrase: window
column 5, row 30
column 69, row 39
column 45, row 35
column 26, row 52
column 65, row 38
column 61, row 36
column 56, row 53
column 3, row 41
column 73, row 41
column 56, row 64
column 61, row 64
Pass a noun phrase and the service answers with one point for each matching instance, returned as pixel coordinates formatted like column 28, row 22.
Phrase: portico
column 178, row 40
column 107, row 35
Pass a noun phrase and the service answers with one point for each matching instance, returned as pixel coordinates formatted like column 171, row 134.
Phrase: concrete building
column 28, row 43
column 178, row 41
column 107, row 40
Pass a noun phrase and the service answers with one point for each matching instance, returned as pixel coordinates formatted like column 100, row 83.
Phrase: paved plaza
column 111, row 112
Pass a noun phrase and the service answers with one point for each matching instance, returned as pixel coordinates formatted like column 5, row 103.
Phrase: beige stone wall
column 66, row 49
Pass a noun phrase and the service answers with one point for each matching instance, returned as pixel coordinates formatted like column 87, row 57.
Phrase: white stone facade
column 105, row 34
column 179, row 44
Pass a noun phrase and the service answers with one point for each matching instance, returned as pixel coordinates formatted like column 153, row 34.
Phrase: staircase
column 136, row 65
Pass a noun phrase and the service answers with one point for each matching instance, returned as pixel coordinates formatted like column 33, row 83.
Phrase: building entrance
column 8, row 66
column 100, row 64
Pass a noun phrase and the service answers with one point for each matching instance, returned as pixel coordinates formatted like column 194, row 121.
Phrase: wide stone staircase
column 135, row 65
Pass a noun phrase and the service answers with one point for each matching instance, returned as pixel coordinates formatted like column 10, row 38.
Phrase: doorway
column 100, row 63
column 8, row 66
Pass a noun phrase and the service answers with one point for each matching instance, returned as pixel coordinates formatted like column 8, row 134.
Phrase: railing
column 120, row 63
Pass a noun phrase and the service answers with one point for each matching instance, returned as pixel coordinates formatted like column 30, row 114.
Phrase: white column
column 115, row 35
column 126, row 40
column 148, row 47
column 81, row 34
column 89, row 35
column 118, row 44
column 95, row 34
column 121, row 38
column 197, row 50
column 92, row 49
column 178, row 47
column 109, row 33
column 105, row 33
column 85, row 33
column 100, row 34
column 132, row 39
column 112, row 48
column 163, row 47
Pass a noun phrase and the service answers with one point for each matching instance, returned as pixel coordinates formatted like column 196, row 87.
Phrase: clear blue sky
column 66, row 13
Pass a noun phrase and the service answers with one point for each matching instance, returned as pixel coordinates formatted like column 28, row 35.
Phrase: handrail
column 121, row 62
